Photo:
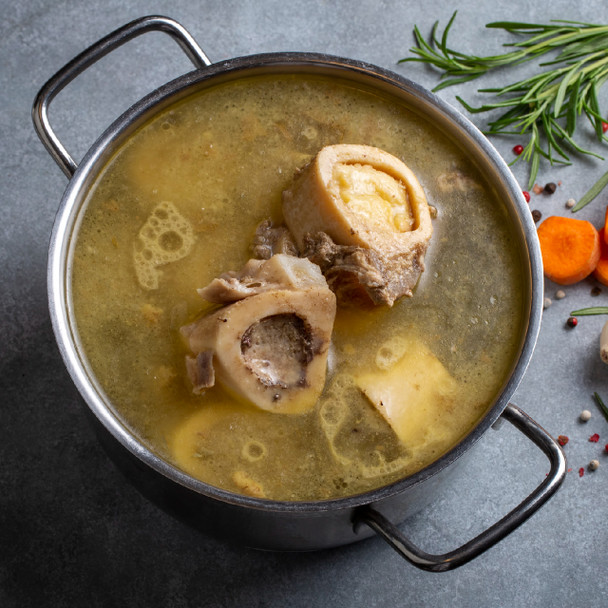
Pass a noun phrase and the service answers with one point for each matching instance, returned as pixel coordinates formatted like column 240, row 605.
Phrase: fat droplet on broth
column 390, row 352
column 165, row 237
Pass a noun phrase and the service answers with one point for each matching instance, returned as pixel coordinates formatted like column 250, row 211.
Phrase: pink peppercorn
column 594, row 438
column 604, row 126
column 581, row 471
column 526, row 195
column 518, row 149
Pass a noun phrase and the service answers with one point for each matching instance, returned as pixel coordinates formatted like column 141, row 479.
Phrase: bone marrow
column 278, row 349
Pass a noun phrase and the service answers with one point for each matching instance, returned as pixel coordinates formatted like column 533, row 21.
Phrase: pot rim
column 66, row 224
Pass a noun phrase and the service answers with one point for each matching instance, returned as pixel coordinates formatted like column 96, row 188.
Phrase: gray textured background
column 74, row 533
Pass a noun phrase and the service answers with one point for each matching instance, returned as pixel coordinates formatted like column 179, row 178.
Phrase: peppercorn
column 594, row 438
column 526, row 195
column 596, row 291
column 560, row 294
column 518, row 149
column 572, row 322
column 585, row 416
column 594, row 465
column 563, row 440
column 550, row 188
column 547, row 302
column 604, row 126
column 536, row 215
column 570, row 203
column 581, row 472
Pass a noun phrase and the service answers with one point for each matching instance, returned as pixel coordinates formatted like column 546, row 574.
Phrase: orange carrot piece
column 601, row 269
column 570, row 249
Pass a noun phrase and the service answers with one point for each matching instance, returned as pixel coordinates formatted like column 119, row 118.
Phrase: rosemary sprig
column 545, row 106
column 601, row 405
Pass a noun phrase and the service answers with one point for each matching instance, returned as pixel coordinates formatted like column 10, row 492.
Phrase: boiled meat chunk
column 281, row 271
column 270, row 348
column 366, row 200
column 200, row 371
column 270, row 240
column 358, row 275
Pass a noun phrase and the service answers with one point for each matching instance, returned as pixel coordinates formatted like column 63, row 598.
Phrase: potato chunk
column 412, row 393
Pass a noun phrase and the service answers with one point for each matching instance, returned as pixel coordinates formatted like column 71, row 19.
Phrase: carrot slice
column 601, row 269
column 570, row 249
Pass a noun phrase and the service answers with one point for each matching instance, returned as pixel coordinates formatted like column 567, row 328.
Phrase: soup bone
column 270, row 346
column 361, row 214
column 274, row 524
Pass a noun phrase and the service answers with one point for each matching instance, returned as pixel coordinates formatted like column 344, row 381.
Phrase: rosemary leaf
column 593, row 310
column 534, row 164
column 452, row 81
column 599, row 185
column 595, row 107
column 573, row 110
column 444, row 38
column 561, row 91
column 567, row 138
column 601, row 405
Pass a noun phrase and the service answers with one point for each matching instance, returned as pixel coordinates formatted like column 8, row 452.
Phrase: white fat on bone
column 270, row 348
column 363, row 197
column 412, row 393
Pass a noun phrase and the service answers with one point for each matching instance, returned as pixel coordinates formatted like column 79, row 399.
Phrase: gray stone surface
column 74, row 533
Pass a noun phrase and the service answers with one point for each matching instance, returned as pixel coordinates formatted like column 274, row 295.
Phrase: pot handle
column 488, row 538
column 87, row 58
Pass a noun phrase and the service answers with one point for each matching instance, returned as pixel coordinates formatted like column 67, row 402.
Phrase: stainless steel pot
column 273, row 524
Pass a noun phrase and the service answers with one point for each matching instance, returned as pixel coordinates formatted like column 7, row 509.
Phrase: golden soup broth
column 221, row 158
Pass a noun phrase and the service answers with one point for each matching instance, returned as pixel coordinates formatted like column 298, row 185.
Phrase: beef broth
column 179, row 205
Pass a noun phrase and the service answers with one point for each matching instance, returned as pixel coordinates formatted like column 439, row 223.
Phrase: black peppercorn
column 550, row 188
